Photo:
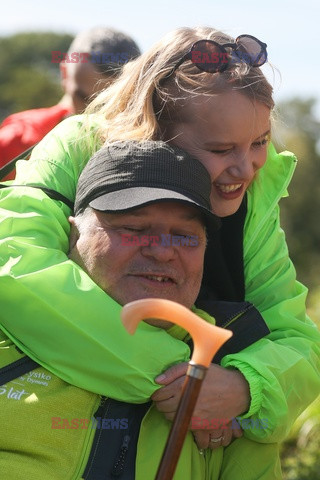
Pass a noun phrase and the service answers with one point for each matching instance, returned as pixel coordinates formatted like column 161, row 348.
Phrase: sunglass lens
column 250, row 51
column 209, row 56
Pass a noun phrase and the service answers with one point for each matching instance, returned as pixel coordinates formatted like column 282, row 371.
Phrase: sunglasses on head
column 209, row 56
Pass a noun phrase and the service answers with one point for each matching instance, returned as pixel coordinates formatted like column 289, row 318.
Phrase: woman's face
column 229, row 134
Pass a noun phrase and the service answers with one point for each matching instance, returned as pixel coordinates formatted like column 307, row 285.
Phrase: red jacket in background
column 20, row 131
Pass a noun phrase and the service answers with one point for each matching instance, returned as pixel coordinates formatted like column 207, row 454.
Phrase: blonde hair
column 142, row 102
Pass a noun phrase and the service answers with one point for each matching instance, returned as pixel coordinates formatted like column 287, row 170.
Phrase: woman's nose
column 242, row 167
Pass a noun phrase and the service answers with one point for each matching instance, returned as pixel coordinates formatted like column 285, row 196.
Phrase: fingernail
column 160, row 378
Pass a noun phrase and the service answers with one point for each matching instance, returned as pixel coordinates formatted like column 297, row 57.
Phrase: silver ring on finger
column 216, row 440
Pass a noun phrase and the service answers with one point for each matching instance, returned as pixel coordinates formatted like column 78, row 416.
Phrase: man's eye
column 183, row 234
column 187, row 239
column 82, row 95
column 133, row 229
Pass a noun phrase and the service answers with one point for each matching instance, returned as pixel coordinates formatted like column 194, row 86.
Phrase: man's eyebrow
column 139, row 212
column 191, row 216
column 130, row 213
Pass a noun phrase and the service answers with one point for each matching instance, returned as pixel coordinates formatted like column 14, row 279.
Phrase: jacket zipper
column 235, row 317
column 119, row 464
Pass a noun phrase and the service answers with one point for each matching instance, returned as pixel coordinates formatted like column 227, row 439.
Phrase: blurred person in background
column 93, row 61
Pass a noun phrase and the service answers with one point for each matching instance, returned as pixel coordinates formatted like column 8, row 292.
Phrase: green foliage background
column 297, row 129
column 28, row 79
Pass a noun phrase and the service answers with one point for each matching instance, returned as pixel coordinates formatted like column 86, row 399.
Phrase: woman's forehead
column 226, row 114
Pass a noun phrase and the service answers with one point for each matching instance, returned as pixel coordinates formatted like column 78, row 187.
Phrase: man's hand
column 211, row 438
column 224, row 395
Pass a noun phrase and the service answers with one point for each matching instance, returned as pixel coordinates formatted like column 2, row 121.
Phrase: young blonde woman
column 203, row 91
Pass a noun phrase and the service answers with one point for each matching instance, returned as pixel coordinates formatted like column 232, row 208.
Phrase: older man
column 159, row 197
column 146, row 239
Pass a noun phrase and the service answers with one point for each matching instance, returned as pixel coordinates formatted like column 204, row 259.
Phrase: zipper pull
column 120, row 462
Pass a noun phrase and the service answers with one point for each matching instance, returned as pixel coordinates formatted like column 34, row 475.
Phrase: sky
column 289, row 27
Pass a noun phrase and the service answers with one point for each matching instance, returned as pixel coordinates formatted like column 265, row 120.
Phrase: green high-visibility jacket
column 56, row 314
column 59, row 419
column 76, row 434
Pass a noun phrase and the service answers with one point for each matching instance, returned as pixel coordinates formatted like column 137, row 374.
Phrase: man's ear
column 74, row 233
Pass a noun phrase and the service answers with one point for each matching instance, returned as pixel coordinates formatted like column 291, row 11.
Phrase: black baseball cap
column 126, row 175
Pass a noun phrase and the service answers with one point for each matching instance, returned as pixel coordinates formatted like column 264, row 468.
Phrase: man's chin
column 155, row 294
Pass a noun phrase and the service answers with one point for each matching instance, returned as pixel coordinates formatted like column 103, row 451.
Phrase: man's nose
column 159, row 247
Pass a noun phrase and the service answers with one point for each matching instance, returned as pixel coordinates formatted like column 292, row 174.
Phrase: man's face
column 112, row 249
column 81, row 81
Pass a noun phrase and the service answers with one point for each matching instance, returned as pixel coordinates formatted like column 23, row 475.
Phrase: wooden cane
column 207, row 340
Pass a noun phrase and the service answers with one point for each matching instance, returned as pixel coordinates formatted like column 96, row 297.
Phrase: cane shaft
column 207, row 339
column 179, row 428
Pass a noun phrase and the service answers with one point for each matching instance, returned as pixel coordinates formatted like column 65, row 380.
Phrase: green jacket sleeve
column 283, row 368
column 49, row 307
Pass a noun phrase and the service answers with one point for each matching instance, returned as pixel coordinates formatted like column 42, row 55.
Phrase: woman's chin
column 225, row 208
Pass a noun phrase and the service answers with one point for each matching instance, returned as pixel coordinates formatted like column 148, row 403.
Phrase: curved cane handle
column 207, row 338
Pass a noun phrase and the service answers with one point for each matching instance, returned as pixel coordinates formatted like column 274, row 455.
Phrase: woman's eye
column 261, row 143
column 221, row 152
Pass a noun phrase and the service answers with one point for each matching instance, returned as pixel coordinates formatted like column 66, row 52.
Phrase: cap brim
column 135, row 197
